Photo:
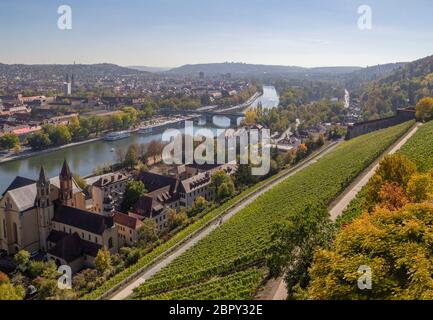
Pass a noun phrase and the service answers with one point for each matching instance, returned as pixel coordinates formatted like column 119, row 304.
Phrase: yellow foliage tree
column 424, row 109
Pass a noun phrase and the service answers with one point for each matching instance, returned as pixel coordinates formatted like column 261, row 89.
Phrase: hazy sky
column 174, row 32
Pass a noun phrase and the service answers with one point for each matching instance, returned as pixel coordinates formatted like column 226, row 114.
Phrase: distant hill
column 81, row 71
column 236, row 68
column 149, row 69
column 402, row 88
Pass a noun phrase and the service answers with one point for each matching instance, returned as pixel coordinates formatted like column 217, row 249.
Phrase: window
column 15, row 233
column 96, row 239
column 4, row 228
column 110, row 243
column 90, row 237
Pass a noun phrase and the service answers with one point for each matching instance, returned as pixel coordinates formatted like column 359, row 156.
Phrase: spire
column 42, row 176
column 65, row 173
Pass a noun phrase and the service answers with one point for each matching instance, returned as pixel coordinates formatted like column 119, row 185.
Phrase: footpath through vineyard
column 277, row 289
column 243, row 240
column 127, row 290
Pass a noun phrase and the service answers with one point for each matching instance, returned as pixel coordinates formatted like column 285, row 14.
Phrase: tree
column 250, row 118
column 39, row 140
column 22, row 259
column 8, row 291
column 154, row 149
column 9, row 141
column 133, row 191
column 131, row 157
column 199, row 205
column 74, row 128
column 176, row 219
column 424, row 109
column 420, row 187
column 394, row 244
column 293, row 244
column 392, row 196
column 103, row 261
column 60, row 135
column 148, row 232
column 222, row 184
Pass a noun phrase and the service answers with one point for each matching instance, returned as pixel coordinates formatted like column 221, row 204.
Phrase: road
column 125, row 292
column 278, row 289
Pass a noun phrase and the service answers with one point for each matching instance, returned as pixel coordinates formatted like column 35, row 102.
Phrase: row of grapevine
column 245, row 237
column 419, row 148
column 237, row 286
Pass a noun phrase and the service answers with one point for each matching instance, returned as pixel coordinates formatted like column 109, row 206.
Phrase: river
column 83, row 159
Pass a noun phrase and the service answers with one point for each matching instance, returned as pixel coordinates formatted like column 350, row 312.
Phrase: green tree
column 293, row 244
column 148, row 232
column 9, row 141
column 131, row 157
column 222, row 184
column 60, row 135
column 39, row 140
column 134, row 190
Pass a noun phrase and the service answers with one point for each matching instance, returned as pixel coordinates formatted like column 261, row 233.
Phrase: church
column 49, row 216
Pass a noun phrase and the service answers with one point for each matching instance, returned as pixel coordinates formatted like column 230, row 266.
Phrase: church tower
column 44, row 208
column 65, row 195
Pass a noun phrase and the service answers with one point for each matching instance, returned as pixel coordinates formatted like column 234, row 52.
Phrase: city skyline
column 168, row 33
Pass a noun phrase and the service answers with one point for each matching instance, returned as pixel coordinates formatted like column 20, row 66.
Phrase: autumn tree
column 131, row 157
column 424, row 109
column 177, row 219
column 420, row 187
column 103, row 261
column 394, row 244
column 222, row 184
column 199, row 205
column 8, row 291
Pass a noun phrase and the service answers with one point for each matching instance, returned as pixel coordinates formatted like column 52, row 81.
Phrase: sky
column 170, row 33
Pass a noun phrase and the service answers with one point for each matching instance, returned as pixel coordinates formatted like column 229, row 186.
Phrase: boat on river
column 113, row 136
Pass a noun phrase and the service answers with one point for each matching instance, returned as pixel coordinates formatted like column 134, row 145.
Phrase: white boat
column 145, row 130
column 113, row 136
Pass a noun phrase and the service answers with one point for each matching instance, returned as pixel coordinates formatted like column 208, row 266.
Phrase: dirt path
column 277, row 290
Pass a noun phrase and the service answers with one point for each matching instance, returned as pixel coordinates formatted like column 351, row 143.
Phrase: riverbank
column 31, row 153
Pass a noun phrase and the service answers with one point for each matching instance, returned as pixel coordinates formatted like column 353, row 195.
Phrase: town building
column 49, row 216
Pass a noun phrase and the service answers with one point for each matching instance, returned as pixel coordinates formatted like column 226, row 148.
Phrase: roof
column 85, row 220
column 71, row 247
column 23, row 191
column 110, row 178
column 127, row 221
column 18, row 183
column 66, row 172
column 24, row 197
column 154, row 181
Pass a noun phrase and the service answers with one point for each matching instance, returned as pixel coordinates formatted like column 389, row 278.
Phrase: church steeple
column 65, row 178
column 43, row 180
column 44, row 208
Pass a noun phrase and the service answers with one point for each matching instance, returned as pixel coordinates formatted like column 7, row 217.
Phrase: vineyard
column 238, row 286
column 419, row 148
column 243, row 239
